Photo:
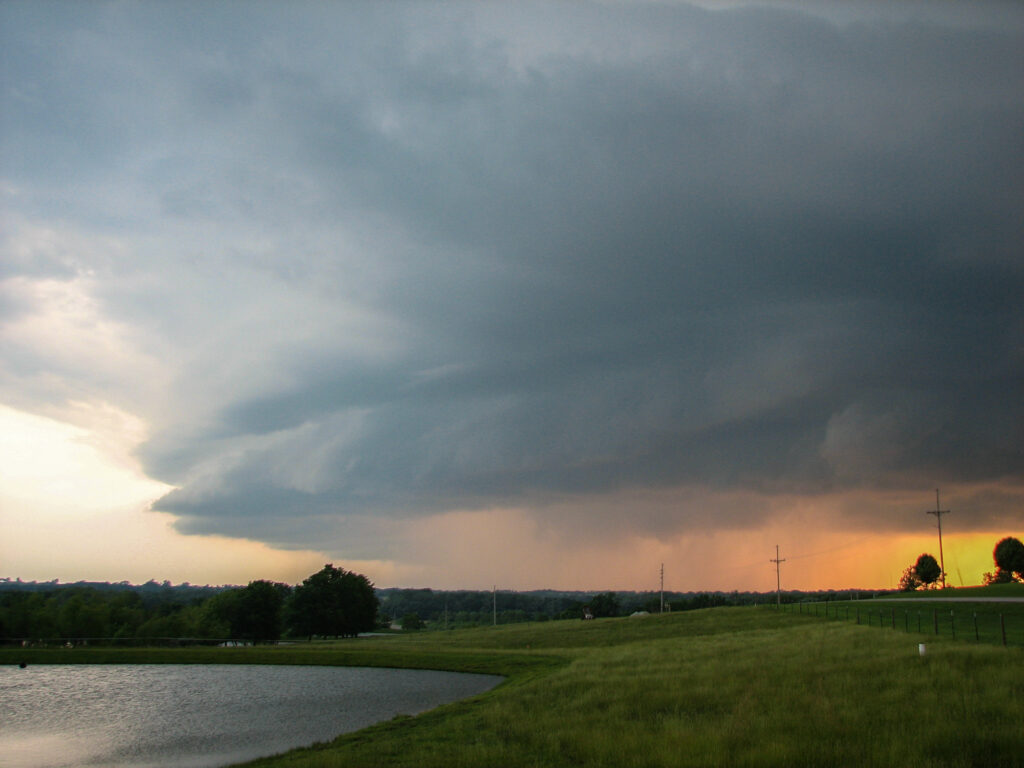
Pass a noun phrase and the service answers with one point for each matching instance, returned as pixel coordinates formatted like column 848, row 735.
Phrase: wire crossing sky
column 532, row 294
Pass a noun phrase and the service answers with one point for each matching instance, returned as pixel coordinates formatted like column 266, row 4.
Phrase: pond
column 201, row 716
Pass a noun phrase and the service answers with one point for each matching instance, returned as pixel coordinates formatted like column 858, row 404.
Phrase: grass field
column 718, row 687
column 1014, row 589
column 933, row 613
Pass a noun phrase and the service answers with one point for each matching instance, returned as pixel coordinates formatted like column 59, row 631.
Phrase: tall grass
column 1011, row 589
column 741, row 687
column 718, row 687
column 994, row 623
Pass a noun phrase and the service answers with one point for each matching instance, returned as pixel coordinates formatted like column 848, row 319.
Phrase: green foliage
column 254, row 612
column 728, row 686
column 1014, row 589
column 604, row 605
column 909, row 580
column 85, row 613
column 999, row 577
column 706, row 688
column 53, row 613
column 333, row 602
column 1009, row 558
column 933, row 615
column 72, row 613
column 927, row 569
column 466, row 608
column 175, row 622
column 923, row 573
column 411, row 621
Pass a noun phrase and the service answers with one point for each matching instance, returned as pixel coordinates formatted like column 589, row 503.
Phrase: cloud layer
column 361, row 261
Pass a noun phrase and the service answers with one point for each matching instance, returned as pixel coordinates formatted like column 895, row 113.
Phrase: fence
column 991, row 623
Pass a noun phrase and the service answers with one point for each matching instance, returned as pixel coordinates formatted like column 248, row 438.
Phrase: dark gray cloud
column 420, row 257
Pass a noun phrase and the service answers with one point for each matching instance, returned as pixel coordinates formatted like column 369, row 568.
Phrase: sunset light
column 466, row 295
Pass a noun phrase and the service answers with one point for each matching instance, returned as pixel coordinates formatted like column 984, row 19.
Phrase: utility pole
column 938, row 516
column 778, row 580
column 662, row 588
column 494, row 603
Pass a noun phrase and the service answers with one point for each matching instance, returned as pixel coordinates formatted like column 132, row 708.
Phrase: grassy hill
column 1014, row 589
column 716, row 687
column 726, row 687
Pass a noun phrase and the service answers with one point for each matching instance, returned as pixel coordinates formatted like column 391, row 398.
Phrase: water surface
column 200, row 716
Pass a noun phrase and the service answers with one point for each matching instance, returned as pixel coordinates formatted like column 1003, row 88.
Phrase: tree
column 412, row 621
column 909, row 580
column 261, row 608
column 605, row 604
column 1009, row 558
column 999, row 577
column 333, row 602
column 927, row 570
column 254, row 612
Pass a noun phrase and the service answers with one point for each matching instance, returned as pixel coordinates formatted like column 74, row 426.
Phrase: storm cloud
column 352, row 261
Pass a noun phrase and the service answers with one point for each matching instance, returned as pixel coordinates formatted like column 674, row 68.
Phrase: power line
column 662, row 588
column 778, row 582
column 938, row 515
column 830, row 549
column 758, row 563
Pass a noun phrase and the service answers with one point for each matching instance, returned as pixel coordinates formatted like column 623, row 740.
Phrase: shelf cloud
column 618, row 266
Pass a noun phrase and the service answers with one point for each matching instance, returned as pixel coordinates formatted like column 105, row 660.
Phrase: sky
column 525, row 295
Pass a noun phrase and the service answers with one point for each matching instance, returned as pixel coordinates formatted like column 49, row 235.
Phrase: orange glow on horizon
column 471, row 550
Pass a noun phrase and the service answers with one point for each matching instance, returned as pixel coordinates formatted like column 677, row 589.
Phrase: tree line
column 330, row 603
column 334, row 602
column 416, row 608
column 1008, row 557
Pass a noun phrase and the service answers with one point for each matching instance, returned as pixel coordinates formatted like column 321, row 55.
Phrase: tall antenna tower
column 778, row 580
column 938, row 512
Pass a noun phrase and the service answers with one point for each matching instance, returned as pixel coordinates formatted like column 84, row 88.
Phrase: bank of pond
column 202, row 715
column 725, row 686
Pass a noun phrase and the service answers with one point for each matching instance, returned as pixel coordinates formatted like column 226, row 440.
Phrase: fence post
column 919, row 622
column 976, row 626
column 893, row 612
column 1002, row 626
column 952, row 623
column 858, row 615
column 935, row 619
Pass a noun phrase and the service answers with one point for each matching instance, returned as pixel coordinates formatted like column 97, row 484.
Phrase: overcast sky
column 328, row 274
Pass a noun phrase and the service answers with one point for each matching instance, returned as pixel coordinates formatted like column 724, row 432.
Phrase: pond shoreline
column 204, row 716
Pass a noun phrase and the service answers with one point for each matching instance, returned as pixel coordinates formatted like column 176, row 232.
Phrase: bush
column 411, row 622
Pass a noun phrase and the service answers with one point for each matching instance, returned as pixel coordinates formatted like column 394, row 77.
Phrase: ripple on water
column 201, row 716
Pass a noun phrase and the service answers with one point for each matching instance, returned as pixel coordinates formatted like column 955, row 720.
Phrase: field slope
column 717, row 687
column 733, row 686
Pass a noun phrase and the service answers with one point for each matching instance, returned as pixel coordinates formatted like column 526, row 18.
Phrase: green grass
column 1015, row 589
column 719, row 687
column 931, row 613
